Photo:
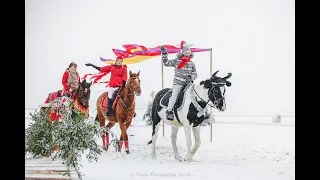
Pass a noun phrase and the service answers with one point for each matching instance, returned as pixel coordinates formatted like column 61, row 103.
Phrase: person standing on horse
column 185, row 72
column 118, row 79
column 70, row 79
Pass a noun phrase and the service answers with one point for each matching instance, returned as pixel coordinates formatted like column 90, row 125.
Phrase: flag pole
column 162, row 88
column 210, row 106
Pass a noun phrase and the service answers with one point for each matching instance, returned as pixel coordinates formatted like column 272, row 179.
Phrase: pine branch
column 73, row 133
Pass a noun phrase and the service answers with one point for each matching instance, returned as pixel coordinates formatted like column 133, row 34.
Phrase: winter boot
column 108, row 109
column 169, row 115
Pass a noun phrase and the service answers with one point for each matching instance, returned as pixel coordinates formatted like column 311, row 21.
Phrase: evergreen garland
column 74, row 134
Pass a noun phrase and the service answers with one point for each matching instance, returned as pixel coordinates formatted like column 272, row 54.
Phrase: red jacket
column 118, row 74
column 65, row 79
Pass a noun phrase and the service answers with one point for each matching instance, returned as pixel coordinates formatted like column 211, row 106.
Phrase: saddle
column 114, row 99
column 164, row 101
column 54, row 95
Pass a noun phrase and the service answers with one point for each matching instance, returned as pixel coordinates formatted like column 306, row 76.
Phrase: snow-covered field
column 239, row 151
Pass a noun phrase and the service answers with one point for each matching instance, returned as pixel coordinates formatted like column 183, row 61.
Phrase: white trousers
column 111, row 90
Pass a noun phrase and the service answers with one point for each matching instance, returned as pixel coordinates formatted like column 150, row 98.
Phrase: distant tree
column 147, row 114
column 206, row 121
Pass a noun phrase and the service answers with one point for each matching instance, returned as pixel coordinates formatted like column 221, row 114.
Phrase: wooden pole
column 162, row 88
column 210, row 106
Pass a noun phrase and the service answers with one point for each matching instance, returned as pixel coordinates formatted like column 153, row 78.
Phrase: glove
column 163, row 51
column 123, row 84
column 188, row 79
column 96, row 67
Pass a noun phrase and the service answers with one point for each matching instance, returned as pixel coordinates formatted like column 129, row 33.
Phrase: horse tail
column 155, row 118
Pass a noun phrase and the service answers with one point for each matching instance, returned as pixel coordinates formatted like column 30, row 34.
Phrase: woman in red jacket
column 70, row 79
column 118, row 79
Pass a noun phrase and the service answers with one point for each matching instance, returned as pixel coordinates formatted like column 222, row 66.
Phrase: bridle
column 133, row 89
column 76, row 95
column 210, row 92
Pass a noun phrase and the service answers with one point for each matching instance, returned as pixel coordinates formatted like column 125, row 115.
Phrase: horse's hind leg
column 197, row 141
column 105, row 138
column 174, row 132
column 155, row 129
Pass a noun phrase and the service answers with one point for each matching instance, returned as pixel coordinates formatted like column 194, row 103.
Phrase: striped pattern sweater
column 180, row 75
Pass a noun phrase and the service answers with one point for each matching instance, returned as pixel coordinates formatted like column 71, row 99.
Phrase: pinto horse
column 188, row 111
column 81, row 99
column 123, row 111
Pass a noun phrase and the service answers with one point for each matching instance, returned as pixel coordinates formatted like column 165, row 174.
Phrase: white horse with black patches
column 188, row 111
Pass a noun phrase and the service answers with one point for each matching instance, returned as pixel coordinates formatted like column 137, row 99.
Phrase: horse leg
column 124, row 136
column 102, row 122
column 105, row 137
column 187, row 132
column 197, row 141
column 126, row 140
column 174, row 132
column 155, row 129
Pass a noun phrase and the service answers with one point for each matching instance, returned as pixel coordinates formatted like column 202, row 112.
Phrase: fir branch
column 73, row 133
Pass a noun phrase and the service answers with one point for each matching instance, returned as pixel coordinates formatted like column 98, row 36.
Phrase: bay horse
column 81, row 98
column 189, row 111
column 123, row 111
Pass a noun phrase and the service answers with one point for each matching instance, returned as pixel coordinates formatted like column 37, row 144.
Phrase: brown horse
column 123, row 111
column 80, row 97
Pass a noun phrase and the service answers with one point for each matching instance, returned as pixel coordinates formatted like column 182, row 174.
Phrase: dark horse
column 188, row 111
column 123, row 111
column 81, row 99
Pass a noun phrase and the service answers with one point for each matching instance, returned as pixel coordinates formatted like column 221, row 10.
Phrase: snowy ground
column 237, row 152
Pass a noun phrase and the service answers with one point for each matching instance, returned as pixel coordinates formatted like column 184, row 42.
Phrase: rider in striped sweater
column 185, row 72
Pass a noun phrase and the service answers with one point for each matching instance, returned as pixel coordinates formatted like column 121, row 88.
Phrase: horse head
column 134, row 83
column 83, row 93
column 216, row 89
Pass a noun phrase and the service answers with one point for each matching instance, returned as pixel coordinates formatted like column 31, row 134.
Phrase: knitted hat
column 119, row 58
column 185, row 47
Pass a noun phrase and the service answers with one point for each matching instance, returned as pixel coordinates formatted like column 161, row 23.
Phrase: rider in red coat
column 70, row 79
column 118, row 79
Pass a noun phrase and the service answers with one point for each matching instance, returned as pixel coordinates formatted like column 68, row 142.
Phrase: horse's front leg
column 196, row 134
column 174, row 132
column 105, row 137
column 124, row 136
column 187, row 132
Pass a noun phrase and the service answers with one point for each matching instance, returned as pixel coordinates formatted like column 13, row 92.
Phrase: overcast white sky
column 255, row 40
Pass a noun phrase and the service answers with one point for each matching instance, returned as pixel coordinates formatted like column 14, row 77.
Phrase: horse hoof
column 180, row 159
column 127, row 152
column 154, row 156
